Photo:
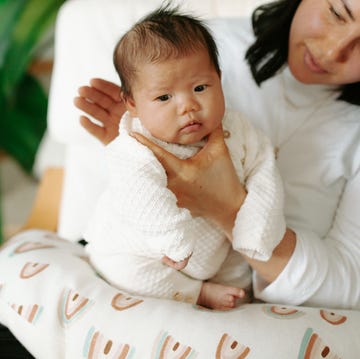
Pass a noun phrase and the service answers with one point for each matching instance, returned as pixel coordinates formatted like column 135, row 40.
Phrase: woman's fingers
column 94, row 95
column 108, row 96
column 92, row 128
column 98, row 104
column 215, row 143
column 108, row 88
column 109, row 128
column 101, row 100
column 214, row 148
column 207, row 183
column 92, row 109
column 217, row 136
column 175, row 265
column 171, row 163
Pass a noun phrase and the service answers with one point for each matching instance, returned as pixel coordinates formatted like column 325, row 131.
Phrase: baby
column 171, row 85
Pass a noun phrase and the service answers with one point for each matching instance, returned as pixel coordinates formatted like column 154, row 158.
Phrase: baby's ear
column 130, row 105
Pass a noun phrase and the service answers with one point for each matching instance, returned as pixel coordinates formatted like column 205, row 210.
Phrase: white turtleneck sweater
column 319, row 160
column 137, row 220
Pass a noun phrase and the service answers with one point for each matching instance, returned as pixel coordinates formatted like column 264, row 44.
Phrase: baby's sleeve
column 260, row 223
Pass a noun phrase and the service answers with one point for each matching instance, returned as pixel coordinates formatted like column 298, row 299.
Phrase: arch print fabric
column 58, row 307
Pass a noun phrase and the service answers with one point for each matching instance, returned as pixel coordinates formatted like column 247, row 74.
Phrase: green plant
column 1, row 236
column 23, row 101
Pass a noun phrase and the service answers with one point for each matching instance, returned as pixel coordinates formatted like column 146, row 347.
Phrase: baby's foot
column 219, row 296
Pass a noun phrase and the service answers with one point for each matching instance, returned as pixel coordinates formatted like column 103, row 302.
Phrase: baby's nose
column 189, row 104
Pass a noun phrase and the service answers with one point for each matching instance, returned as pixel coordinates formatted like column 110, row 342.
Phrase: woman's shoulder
column 238, row 29
column 347, row 134
column 233, row 37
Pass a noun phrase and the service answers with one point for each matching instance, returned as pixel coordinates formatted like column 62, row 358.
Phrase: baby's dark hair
column 163, row 34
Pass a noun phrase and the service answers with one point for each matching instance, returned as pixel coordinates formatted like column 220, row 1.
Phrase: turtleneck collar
column 301, row 95
column 133, row 124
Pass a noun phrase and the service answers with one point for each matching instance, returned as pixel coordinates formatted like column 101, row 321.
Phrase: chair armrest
column 45, row 210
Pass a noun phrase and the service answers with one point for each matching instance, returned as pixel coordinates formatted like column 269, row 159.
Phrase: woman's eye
column 336, row 14
column 200, row 88
column 163, row 98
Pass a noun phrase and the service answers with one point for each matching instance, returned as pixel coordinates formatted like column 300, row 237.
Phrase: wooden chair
column 44, row 213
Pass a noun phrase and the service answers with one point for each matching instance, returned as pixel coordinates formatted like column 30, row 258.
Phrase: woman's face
column 324, row 42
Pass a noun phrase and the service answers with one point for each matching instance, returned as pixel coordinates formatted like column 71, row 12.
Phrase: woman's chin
column 304, row 75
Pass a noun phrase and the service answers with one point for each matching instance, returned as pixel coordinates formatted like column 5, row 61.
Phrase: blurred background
column 26, row 60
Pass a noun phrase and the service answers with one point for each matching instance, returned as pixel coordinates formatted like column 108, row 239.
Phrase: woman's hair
column 268, row 54
column 163, row 34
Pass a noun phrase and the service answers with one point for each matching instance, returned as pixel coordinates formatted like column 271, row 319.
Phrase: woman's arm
column 208, row 186
column 271, row 269
column 324, row 271
column 303, row 268
column 102, row 100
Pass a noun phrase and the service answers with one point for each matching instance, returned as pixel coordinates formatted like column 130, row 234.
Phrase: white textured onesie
column 136, row 221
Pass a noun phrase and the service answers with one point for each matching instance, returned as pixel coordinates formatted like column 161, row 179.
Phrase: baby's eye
column 163, row 98
column 200, row 88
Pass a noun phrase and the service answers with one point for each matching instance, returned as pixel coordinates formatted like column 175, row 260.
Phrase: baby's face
column 179, row 100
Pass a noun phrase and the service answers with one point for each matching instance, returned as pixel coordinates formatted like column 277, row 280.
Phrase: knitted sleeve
column 260, row 222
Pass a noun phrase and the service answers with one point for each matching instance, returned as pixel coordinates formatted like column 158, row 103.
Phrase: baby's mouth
column 191, row 127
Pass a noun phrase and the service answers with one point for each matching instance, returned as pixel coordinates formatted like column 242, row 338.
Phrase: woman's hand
column 208, row 186
column 207, row 183
column 102, row 100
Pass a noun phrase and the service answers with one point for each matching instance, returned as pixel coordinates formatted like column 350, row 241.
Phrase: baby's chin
column 198, row 142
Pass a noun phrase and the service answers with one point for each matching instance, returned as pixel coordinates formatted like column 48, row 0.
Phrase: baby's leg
column 140, row 275
column 219, row 296
column 235, row 273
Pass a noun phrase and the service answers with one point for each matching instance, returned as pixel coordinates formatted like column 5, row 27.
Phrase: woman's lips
column 312, row 64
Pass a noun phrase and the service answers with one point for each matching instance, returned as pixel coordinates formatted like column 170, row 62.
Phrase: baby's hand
column 176, row 265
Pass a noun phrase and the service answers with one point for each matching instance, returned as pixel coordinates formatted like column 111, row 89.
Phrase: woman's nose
column 339, row 48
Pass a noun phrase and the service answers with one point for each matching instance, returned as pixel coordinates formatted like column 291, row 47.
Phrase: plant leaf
column 23, row 123
column 1, row 229
column 36, row 17
column 9, row 13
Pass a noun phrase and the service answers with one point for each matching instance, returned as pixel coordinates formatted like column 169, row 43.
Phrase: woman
column 302, row 87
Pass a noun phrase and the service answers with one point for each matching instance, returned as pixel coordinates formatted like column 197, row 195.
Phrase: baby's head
column 170, row 76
